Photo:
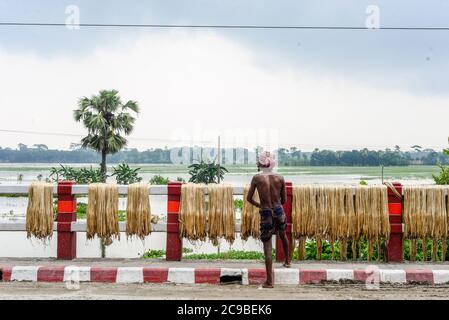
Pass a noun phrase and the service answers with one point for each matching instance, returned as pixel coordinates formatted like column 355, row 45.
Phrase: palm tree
column 107, row 120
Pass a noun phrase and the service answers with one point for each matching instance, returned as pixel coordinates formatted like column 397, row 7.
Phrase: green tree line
column 287, row 157
column 364, row 157
column 83, row 156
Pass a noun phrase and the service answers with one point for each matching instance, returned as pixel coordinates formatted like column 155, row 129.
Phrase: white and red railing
column 67, row 226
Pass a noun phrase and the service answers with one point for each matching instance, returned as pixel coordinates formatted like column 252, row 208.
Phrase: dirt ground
column 99, row 291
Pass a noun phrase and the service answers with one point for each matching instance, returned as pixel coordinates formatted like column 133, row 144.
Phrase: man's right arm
column 251, row 191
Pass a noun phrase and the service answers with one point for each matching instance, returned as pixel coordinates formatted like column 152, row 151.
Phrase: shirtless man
column 271, row 189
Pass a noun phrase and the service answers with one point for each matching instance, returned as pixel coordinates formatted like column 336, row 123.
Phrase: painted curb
column 254, row 276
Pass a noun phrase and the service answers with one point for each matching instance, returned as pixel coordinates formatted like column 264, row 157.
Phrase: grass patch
column 229, row 255
column 151, row 254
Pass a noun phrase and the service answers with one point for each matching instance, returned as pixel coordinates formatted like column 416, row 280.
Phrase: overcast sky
column 337, row 89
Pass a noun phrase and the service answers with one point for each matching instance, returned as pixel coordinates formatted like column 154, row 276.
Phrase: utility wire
column 214, row 26
column 300, row 145
column 80, row 135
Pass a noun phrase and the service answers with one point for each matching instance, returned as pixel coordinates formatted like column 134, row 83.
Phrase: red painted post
column 394, row 245
column 174, row 242
column 66, row 215
column 280, row 257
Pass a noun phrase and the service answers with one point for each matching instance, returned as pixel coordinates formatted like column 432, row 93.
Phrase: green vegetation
column 126, row 175
column 80, row 175
column 151, row 254
column 231, row 254
column 158, row 179
column 364, row 157
column 443, row 177
column 81, row 212
column 107, row 120
column 206, row 172
column 238, row 204
column 310, row 252
column 287, row 158
column 419, row 252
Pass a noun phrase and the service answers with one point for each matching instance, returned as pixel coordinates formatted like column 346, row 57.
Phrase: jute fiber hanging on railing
column 372, row 219
column 221, row 213
column 326, row 212
column 322, row 213
column 250, row 218
column 138, row 211
column 426, row 218
column 40, row 217
column 102, row 212
column 192, row 215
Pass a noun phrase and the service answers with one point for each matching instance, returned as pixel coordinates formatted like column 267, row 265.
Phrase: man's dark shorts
column 271, row 222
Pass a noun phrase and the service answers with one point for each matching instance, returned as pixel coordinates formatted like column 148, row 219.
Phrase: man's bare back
column 271, row 189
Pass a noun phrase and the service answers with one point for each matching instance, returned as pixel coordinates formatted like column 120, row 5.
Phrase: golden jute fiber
column 138, row 211
column 426, row 218
column 333, row 213
column 221, row 213
column 250, row 218
column 371, row 215
column 102, row 212
column 371, row 211
column 192, row 214
column 322, row 213
column 39, row 216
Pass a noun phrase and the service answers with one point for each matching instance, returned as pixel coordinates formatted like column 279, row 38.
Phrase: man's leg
column 285, row 247
column 281, row 224
column 268, row 251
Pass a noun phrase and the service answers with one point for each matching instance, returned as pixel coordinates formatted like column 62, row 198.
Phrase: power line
column 42, row 133
column 79, row 136
column 287, row 146
column 215, row 26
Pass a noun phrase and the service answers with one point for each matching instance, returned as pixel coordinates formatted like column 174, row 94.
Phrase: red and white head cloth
column 266, row 160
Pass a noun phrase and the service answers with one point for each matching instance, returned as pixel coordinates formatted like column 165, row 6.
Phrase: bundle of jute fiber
column 371, row 216
column 221, row 213
column 138, row 211
column 426, row 217
column 192, row 215
column 322, row 212
column 342, row 217
column 250, row 218
column 330, row 213
column 39, row 217
column 304, row 208
column 102, row 212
